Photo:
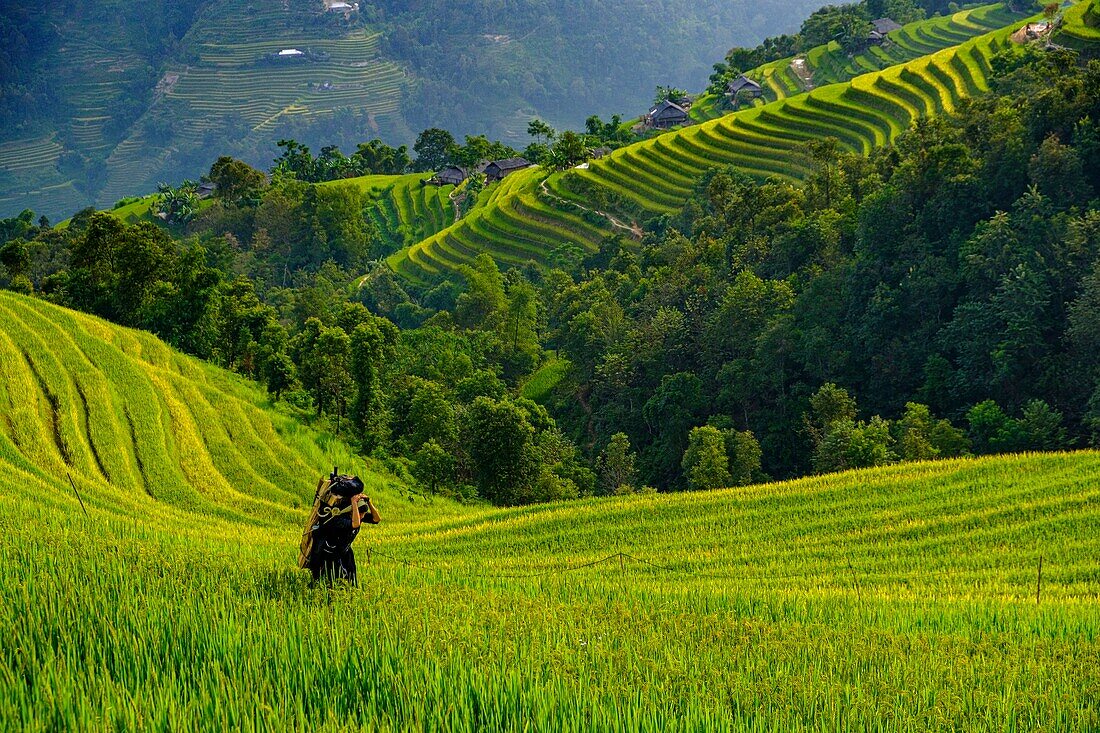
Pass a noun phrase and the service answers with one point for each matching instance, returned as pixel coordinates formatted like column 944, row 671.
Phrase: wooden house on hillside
column 450, row 176
column 453, row 175
column 880, row 28
column 499, row 169
column 665, row 115
column 744, row 88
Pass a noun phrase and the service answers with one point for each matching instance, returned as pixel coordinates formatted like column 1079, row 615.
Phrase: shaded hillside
column 106, row 99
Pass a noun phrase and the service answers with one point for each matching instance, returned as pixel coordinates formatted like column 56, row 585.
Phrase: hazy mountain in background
column 104, row 99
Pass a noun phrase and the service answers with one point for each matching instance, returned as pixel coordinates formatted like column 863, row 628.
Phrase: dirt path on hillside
column 454, row 205
column 635, row 230
column 799, row 68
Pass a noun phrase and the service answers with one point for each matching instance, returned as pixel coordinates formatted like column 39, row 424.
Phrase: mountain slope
column 110, row 98
column 142, row 429
column 579, row 207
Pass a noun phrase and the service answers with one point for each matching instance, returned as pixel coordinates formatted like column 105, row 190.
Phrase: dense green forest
column 938, row 298
column 102, row 100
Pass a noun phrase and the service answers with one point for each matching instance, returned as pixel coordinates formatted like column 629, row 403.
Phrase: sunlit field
column 905, row 598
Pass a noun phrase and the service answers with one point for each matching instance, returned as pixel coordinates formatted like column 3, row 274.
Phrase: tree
column 669, row 94
column 338, row 231
column 616, row 466
column 295, row 161
column 569, row 151
column 15, row 256
column 705, row 462
column 484, row 302
column 334, row 384
column 375, row 157
column 829, row 404
column 477, row 149
column 373, row 343
column 279, row 373
column 235, row 179
column 115, row 268
column 500, row 442
column 431, row 415
column 177, row 205
column 916, row 428
column 433, row 149
column 743, row 454
column 848, row 25
column 520, row 328
column 870, row 444
column 541, row 131
column 323, row 356
column 992, row 431
column 433, row 466
column 1058, row 173
column 1043, row 428
column 823, row 184
column 923, row 437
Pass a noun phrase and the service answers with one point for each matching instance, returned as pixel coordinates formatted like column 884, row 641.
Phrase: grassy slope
column 829, row 64
column 402, row 209
column 1081, row 28
column 143, row 429
column 899, row 599
column 656, row 176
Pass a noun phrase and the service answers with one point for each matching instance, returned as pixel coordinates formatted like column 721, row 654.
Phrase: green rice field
column 403, row 209
column 829, row 64
column 898, row 599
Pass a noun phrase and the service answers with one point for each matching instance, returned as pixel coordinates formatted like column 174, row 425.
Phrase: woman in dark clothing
column 332, row 557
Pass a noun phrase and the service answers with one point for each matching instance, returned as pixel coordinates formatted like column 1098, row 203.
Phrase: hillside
column 146, row 431
column 535, row 215
column 106, row 99
column 902, row 598
column 899, row 599
column 829, row 64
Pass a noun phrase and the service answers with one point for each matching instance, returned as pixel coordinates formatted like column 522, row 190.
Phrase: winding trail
column 633, row 228
column 454, row 204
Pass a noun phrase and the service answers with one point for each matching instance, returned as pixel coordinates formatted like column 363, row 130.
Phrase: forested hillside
column 106, row 99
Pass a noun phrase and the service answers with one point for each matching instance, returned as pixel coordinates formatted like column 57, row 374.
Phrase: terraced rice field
column 532, row 215
column 514, row 221
column 58, row 196
column 905, row 598
column 92, row 80
column 232, row 80
column 404, row 210
column 232, row 76
column 1081, row 26
column 829, row 64
column 28, row 170
column 18, row 156
column 764, row 142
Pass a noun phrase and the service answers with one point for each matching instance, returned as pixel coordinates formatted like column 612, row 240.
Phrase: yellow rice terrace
column 159, row 590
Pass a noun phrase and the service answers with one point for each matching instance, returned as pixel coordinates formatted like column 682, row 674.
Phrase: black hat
column 346, row 486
